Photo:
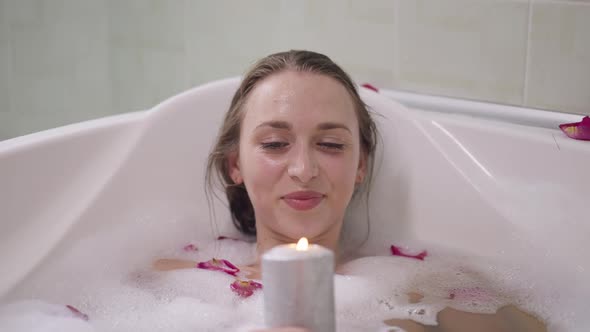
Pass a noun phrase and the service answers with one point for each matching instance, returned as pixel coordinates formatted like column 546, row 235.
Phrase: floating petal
column 222, row 265
column 245, row 288
column 398, row 251
column 77, row 313
column 190, row 247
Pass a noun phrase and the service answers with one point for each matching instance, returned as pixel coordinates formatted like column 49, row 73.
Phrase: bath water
column 378, row 293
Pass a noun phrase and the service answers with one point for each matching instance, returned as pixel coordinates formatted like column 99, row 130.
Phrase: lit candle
column 299, row 286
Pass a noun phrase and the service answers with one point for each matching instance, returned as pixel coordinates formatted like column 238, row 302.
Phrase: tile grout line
column 396, row 43
column 527, row 64
column 187, row 75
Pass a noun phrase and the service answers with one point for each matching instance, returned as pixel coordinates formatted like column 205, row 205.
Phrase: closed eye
column 331, row 146
column 273, row 145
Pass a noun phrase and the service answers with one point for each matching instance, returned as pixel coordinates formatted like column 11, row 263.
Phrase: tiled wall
column 63, row 61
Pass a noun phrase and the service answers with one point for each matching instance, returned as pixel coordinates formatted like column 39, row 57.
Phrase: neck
column 266, row 239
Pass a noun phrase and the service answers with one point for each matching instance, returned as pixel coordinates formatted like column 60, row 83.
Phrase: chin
column 309, row 228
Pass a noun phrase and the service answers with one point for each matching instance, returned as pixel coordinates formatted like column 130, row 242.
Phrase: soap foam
column 125, row 294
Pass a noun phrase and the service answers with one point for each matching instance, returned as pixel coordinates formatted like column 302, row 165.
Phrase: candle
column 299, row 286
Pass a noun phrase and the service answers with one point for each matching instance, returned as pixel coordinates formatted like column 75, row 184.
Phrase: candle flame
column 302, row 244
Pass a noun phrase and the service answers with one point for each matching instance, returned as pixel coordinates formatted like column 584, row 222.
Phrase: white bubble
column 125, row 294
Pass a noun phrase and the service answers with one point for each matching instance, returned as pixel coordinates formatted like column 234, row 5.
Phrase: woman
column 296, row 144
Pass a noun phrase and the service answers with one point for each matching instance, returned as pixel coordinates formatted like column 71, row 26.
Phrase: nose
column 303, row 165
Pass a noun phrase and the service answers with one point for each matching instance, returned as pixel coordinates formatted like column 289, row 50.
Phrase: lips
column 303, row 200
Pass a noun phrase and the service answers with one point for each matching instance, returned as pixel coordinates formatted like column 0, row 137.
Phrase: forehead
column 299, row 97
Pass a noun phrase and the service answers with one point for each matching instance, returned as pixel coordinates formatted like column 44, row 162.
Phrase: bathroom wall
column 63, row 61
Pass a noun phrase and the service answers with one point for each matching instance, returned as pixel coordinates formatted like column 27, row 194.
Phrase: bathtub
column 485, row 179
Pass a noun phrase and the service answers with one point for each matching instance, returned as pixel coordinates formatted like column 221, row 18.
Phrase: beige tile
column 127, row 78
column 5, row 78
column 51, row 48
column 5, row 64
column 34, row 52
column 360, row 38
column 4, row 23
column 27, row 123
column 6, row 126
column 40, row 95
column 80, row 13
column 152, row 24
column 559, row 68
column 357, row 35
column 373, row 11
column 220, row 48
column 22, row 12
column 141, row 78
column 41, row 103
column 59, row 65
column 90, row 84
column 463, row 48
column 166, row 74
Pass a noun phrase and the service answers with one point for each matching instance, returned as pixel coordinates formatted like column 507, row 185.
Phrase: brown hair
column 227, row 142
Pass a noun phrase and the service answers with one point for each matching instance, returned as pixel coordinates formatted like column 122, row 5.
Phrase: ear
column 234, row 168
column 361, row 171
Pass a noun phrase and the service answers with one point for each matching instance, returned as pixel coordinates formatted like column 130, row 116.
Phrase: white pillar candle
column 298, row 283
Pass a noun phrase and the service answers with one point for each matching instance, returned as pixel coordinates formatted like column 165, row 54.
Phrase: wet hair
column 241, row 208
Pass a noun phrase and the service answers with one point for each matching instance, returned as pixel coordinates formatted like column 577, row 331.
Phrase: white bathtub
column 484, row 179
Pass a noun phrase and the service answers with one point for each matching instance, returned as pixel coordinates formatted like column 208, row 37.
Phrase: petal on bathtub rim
column 577, row 130
column 370, row 87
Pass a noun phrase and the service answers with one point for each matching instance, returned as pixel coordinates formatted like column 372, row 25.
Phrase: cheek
column 261, row 174
column 341, row 172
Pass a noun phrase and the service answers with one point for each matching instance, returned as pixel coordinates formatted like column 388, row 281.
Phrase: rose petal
column 77, row 312
column 222, row 265
column 577, row 130
column 190, row 247
column 397, row 251
column 245, row 288
column 370, row 87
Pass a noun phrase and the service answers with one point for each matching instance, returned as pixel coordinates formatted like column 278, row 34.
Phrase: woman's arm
column 173, row 264
column 166, row 264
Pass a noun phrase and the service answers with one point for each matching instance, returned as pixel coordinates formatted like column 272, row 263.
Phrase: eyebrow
column 275, row 124
column 288, row 126
column 333, row 125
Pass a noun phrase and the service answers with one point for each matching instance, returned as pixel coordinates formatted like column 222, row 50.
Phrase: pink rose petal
column 245, row 288
column 370, row 87
column 190, row 247
column 577, row 130
column 77, row 312
column 222, row 265
column 398, row 251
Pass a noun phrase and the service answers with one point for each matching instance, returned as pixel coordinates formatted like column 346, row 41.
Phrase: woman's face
column 299, row 154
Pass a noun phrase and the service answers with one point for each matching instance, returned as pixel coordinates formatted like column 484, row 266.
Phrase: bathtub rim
column 13, row 144
column 530, row 117
column 527, row 116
